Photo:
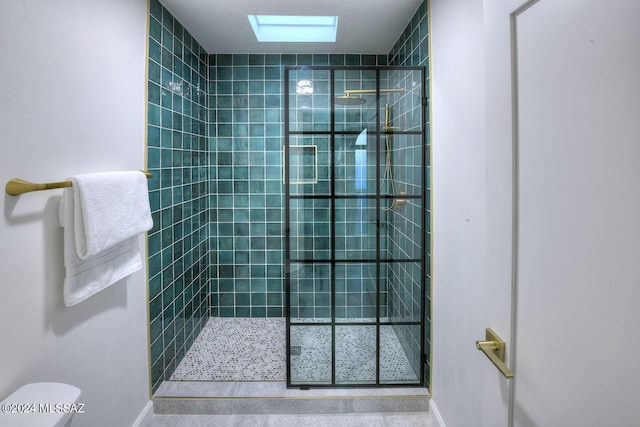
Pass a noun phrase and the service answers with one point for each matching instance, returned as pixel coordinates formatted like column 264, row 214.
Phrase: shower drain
column 296, row 350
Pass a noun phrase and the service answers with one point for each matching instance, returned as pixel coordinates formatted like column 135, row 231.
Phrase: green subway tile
column 224, row 87
column 156, row 9
column 225, row 73
column 240, row 88
column 258, row 299
column 256, row 73
column 257, row 87
column 243, row 311
column 272, row 59
column 288, row 59
column 224, row 60
column 240, row 59
column 257, row 101
column 153, row 93
column 153, row 114
column 320, row 59
column 242, row 299
column 256, row 59
column 155, row 51
column 256, row 115
column 240, row 116
column 226, row 299
column 304, row 59
column 258, row 311
column 336, row 59
column 240, row 101
column 272, row 116
column 154, row 72
column 272, row 101
column 272, row 87
column 272, row 73
column 240, row 73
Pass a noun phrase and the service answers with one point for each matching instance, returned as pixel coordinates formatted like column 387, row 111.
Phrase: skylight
column 287, row 28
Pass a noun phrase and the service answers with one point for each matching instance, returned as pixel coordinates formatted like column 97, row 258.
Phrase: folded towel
column 102, row 216
column 109, row 208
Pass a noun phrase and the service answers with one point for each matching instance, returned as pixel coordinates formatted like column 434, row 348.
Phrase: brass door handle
column 493, row 347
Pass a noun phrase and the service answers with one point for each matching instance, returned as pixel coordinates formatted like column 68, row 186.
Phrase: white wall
column 472, row 205
column 472, row 156
column 72, row 100
column 459, row 200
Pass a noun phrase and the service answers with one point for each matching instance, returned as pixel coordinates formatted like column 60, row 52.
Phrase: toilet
column 41, row 405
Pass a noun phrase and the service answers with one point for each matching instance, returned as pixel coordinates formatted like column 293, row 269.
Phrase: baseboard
column 436, row 414
column 145, row 415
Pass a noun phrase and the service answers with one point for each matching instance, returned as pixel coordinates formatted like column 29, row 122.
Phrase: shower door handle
column 493, row 347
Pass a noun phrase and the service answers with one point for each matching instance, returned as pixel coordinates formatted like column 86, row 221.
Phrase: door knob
column 493, row 347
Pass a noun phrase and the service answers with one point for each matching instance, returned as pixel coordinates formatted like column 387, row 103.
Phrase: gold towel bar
column 15, row 187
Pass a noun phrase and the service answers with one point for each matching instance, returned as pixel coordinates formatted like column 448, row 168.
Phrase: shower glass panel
column 354, row 234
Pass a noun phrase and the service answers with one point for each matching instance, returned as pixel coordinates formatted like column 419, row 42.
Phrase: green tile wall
column 214, row 146
column 246, row 103
column 412, row 49
column 178, row 157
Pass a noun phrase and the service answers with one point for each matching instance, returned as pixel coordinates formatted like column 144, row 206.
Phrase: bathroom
column 74, row 101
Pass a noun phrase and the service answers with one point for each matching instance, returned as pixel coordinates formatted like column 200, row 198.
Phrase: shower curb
column 284, row 405
column 192, row 398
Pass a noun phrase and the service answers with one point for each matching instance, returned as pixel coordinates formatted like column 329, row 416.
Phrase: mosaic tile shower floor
column 253, row 349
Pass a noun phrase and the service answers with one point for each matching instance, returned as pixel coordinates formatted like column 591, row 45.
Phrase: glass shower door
column 354, row 195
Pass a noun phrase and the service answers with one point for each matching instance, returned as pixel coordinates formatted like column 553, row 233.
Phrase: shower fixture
column 387, row 176
column 347, row 99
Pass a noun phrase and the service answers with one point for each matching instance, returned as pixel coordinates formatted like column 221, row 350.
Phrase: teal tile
column 242, row 299
column 240, row 73
column 288, row 59
column 258, row 311
column 257, row 87
column 336, row 59
column 240, row 59
column 272, row 59
column 271, row 87
column 256, row 73
column 257, row 101
column 225, row 73
column 320, row 59
column 243, row 311
column 153, row 114
column 256, row 115
column 256, row 59
column 240, row 88
column 272, row 73
column 224, row 60
column 258, row 299
column 304, row 59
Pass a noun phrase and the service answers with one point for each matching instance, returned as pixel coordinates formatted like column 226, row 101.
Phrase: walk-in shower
column 354, row 186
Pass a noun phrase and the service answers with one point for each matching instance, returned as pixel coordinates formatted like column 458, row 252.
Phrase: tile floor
column 253, row 349
column 242, row 350
column 416, row 419
column 236, row 349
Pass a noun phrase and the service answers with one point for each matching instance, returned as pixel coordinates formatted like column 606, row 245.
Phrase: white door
column 577, row 359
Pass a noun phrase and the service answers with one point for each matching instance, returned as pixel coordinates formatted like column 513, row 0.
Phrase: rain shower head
column 347, row 99
column 350, row 100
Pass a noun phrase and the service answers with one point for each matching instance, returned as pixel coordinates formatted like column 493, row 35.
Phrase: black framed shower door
column 355, row 197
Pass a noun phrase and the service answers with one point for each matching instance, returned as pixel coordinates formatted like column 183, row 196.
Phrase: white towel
column 102, row 215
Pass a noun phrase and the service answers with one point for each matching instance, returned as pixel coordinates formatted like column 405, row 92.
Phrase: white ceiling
column 364, row 26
